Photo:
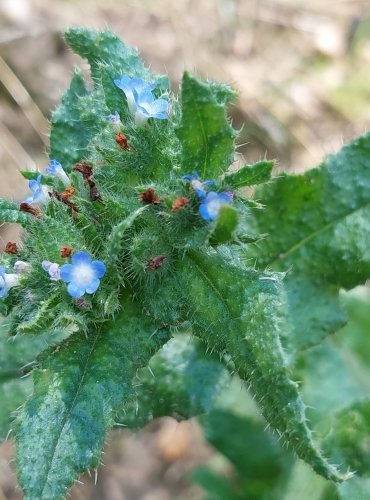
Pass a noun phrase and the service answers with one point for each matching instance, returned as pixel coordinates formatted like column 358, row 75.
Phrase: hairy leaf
column 318, row 227
column 347, row 437
column 69, row 135
column 250, row 175
column 116, row 240
column 78, row 389
column 355, row 489
column 106, row 47
column 226, row 224
column 206, row 137
column 17, row 353
column 180, row 381
column 13, row 394
column 9, row 212
column 261, row 466
column 17, row 357
column 29, row 175
column 248, row 330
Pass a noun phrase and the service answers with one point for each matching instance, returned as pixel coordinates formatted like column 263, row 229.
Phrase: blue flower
column 39, row 192
column 52, row 268
column 56, row 170
column 131, row 85
column 7, row 281
column 82, row 275
column 197, row 184
column 147, row 106
column 212, row 204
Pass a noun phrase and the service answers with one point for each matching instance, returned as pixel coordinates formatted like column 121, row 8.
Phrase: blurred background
column 302, row 72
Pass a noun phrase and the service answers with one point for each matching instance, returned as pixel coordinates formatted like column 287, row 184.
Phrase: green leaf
column 258, row 457
column 106, row 47
column 347, row 437
column 319, row 221
column 312, row 313
column 17, row 357
column 318, row 227
column 250, row 175
column 116, row 240
column 335, row 383
column 110, row 59
column 41, row 318
column 225, row 225
column 27, row 174
column 13, row 393
column 206, row 137
column 78, row 389
column 9, row 212
column 180, row 381
column 17, row 353
column 217, row 487
column 70, row 134
column 332, row 379
column 354, row 489
column 355, row 335
column 235, row 310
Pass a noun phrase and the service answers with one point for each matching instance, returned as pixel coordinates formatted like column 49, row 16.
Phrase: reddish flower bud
column 64, row 199
column 70, row 191
column 156, row 262
column 66, row 251
column 11, row 248
column 121, row 140
column 179, row 203
column 149, row 196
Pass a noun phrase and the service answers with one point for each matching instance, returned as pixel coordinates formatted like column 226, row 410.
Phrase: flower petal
column 160, row 116
column 224, row 197
column 211, row 196
column 203, row 212
column 33, row 185
column 99, row 268
column 200, row 193
column 46, row 265
column 159, row 106
column 93, row 286
column 28, row 200
column 81, row 258
column 75, row 291
column 144, row 98
column 122, row 83
column 66, row 272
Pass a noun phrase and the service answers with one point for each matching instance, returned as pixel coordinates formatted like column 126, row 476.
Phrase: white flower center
column 196, row 184
column 131, row 102
column 83, row 275
column 213, row 207
column 140, row 118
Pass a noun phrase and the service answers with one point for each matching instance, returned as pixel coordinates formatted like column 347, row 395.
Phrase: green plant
column 129, row 185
